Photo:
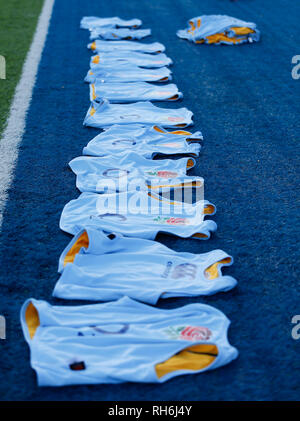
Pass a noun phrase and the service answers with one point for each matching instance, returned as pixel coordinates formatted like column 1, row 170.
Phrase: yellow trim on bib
column 96, row 59
column 209, row 210
column 82, row 241
column 180, row 125
column 192, row 25
column 158, row 129
column 178, row 132
column 242, row 30
column 93, row 46
column 32, row 319
column 174, row 97
column 163, row 200
column 196, row 183
column 194, row 358
column 212, row 272
column 199, row 235
column 216, row 38
column 93, row 91
column 181, row 132
column 190, row 163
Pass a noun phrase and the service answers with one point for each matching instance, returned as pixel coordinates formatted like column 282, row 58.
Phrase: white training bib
column 91, row 22
column 118, row 33
column 143, row 140
column 100, row 267
column 138, row 214
column 219, row 29
column 123, row 341
column 139, row 59
column 107, row 46
column 103, row 114
column 127, row 72
column 121, row 92
column 116, row 173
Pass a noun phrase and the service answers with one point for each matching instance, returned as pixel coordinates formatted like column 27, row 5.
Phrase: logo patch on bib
column 188, row 333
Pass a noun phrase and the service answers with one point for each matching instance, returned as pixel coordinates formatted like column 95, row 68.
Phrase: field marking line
column 15, row 126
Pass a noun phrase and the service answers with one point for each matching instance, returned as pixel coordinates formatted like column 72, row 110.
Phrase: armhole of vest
column 93, row 46
column 215, row 270
column 193, row 358
column 177, row 132
column 191, row 162
column 30, row 320
column 174, row 97
column 80, row 241
column 206, row 228
column 209, row 209
column 96, row 59
column 92, row 110
column 194, row 139
column 200, row 235
column 183, row 125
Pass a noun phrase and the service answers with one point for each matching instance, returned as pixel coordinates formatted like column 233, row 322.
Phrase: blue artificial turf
column 247, row 105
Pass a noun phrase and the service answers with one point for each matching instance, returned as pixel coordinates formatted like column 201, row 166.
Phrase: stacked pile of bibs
column 219, row 29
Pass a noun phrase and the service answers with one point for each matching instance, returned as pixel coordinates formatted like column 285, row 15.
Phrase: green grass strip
column 18, row 21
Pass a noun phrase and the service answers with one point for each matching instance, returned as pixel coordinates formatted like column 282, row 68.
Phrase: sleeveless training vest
column 100, row 267
column 146, row 141
column 90, row 22
column 103, row 114
column 139, row 59
column 121, row 92
column 123, row 341
column 127, row 72
column 106, row 46
column 138, row 214
column 121, row 33
column 131, row 171
column 219, row 29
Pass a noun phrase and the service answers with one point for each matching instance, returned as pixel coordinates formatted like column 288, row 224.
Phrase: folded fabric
column 129, row 171
column 138, row 214
column 100, row 267
column 123, row 341
column 91, row 22
column 103, row 114
column 122, row 33
column 219, row 29
column 107, row 46
column 120, row 92
column 143, row 140
column 127, row 72
column 113, row 58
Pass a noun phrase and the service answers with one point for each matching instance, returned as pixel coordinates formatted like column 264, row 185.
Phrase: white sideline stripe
column 13, row 132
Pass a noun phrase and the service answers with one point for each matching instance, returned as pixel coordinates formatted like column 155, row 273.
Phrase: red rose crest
column 166, row 174
column 177, row 221
column 195, row 333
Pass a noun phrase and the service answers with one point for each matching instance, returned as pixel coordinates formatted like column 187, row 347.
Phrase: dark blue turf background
column 247, row 105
